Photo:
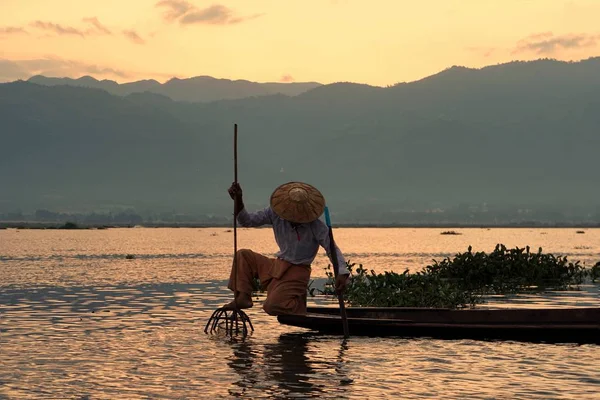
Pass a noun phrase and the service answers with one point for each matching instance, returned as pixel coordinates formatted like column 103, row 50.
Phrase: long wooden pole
column 235, row 181
column 336, row 270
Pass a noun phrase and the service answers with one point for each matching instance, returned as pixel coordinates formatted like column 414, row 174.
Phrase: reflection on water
column 77, row 320
column 294, row 365
column 282, row 370
column 148, row 342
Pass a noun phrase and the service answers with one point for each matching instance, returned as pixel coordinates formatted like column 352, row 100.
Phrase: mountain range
column 196, row 89
column 521, row 135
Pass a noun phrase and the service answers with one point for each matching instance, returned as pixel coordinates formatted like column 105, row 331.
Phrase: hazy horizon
column 514, row 141
column 241, row 79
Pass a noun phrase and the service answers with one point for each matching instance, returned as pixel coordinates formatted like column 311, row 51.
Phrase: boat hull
column 575, row 325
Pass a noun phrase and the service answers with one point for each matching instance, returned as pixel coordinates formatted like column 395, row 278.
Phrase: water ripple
column 79, row 321
column 63, row 257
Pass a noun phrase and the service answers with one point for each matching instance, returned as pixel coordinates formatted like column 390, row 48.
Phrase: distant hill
column 522, row 135
column 197, row 89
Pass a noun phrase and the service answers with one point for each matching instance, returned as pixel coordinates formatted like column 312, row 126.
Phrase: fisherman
column 294, row 213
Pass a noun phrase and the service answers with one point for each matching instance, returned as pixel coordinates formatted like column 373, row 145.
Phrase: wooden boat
column 557, row 325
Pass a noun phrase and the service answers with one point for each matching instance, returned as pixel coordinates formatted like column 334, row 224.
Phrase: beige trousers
column 286, row 283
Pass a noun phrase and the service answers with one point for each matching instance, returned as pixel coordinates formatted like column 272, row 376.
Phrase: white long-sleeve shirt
column 298, row 244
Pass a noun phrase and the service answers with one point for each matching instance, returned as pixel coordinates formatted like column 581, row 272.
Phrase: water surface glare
column 78, row 320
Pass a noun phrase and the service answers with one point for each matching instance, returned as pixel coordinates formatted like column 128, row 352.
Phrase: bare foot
column 242, row 301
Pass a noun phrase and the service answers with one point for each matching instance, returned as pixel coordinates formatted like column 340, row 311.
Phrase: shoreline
column 63, row 226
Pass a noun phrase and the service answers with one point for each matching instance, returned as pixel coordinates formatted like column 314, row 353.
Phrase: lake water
column 80, row 321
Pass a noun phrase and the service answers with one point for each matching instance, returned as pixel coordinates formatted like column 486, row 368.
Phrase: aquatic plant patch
column 509, row 270
column 464, row 280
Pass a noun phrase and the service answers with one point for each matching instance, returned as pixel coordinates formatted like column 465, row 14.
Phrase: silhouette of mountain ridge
column 194, row 89
column 523, row 135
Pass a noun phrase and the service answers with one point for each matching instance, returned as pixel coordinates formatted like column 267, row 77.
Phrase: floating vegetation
column 369, row 289
column 463, row 280
column 509, row 270
column 450, row 233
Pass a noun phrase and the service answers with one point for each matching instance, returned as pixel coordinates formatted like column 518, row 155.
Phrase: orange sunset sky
column 378, row 42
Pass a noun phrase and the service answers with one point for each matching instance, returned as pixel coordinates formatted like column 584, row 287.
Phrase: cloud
column 133, row 36
column 96, row 24
column 97, row 28
column 11, row 30
column 541, row 35
column 186, row 13
column 287, row 78
column 11, row 70
column 175, row 8
column 58, row 29
column 546, row 43
column 484, row 51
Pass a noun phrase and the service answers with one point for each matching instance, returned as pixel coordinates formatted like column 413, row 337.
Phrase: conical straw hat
column 297, row 202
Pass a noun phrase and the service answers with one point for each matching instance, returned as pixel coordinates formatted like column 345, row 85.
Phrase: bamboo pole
column 336, row 270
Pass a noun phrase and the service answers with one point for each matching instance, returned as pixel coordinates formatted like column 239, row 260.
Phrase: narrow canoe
column 557, row 325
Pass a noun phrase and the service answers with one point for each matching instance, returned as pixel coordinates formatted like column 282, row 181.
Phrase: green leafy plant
column 462, row 281
column 508, row 270
column 389, row 289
